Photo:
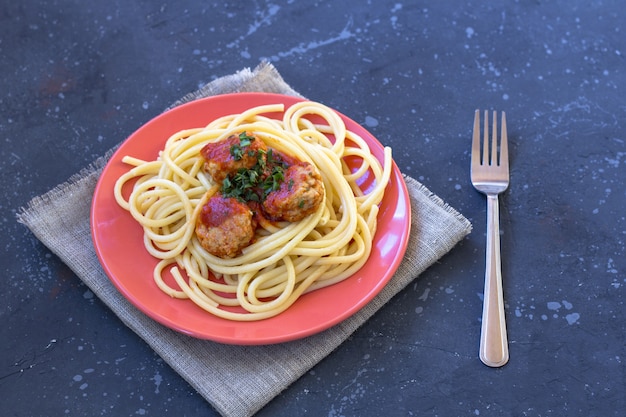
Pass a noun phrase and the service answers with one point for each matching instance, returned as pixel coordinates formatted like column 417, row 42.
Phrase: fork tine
column 476, row 154
column 486, row 148
column 504, row 144
column 493, row 160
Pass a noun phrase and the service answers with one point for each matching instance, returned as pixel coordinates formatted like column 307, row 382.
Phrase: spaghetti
column 285, row 259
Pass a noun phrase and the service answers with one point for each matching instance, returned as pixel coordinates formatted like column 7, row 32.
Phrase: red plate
column 119, row 245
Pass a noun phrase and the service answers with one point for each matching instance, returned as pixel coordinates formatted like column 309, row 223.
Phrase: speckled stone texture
column 78, row 77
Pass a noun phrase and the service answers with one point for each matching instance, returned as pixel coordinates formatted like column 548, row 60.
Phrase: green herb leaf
column 256, row 183
column 236, row 151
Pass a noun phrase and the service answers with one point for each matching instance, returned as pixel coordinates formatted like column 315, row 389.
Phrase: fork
column 490, row 176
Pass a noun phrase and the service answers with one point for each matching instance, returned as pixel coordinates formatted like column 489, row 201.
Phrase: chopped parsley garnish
column 242, row 185
column 272, row 182
column 256, row 183
column 236, row 151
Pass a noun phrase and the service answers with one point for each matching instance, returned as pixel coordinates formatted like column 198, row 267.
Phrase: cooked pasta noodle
column 285, row 260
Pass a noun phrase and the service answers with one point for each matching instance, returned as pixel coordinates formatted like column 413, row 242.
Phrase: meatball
column 225, row 226
column 236, row 152
column 299, row 195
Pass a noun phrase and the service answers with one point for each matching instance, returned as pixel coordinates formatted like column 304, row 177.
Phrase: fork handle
column 494, row 350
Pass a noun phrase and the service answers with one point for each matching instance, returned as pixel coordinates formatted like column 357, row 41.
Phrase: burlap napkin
column 235, row 380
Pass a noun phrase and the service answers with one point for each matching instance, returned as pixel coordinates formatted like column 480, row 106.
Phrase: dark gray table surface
column 77, row 77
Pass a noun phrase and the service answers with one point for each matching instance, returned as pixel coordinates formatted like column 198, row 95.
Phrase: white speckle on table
column 555, row 306
column 265, row 17
column 610, row 266
column 157, row 382
column 348, row 395
column 394, row 21
column 547, row 49
column 424, row 295
column 371, row 121
column 524, row 310
column 572, row 318
column 302, row 48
